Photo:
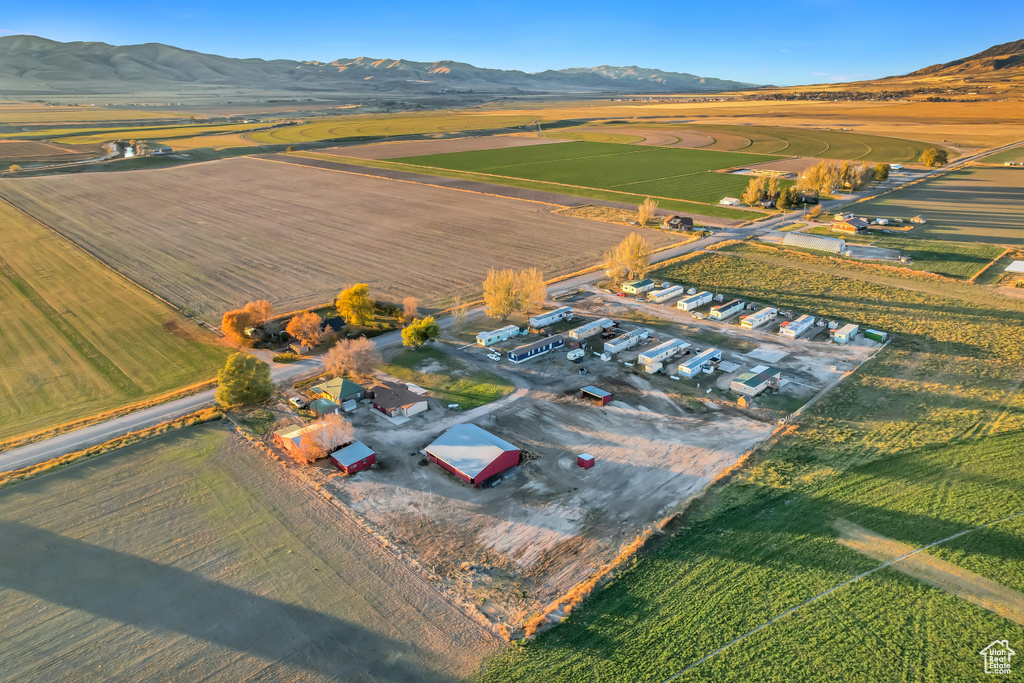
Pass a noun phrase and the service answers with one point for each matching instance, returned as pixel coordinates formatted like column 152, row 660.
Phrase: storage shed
column 726, row 310
column 794, row 328
column 590, row 329
column 494, row 336
column 756, row 380
column 472, row 454
column 324, row 406
column 544, row 319
column 596, row 394
column 692, row 367
column 638, row 286
column 585, row 460
column 541, row 346
column 875, row 335
column 353, row 458
column 693, row 301
column 832, row 245
column 845, row 334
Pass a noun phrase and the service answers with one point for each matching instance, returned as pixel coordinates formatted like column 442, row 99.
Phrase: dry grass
column 28, row 151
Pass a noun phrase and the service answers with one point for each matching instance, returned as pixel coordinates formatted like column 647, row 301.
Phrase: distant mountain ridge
column 1008, row 56
column 33, row 64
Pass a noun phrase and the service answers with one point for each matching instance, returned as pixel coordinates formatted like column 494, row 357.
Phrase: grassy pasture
column 193, row 553
column 383, row 125
column 655, row 171
column 296, row 235
column 447, row 378
column 78, row 339
column 921, row 442
column 979, row 204
column 1015, row 154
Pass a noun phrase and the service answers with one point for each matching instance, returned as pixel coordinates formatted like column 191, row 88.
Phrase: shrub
column 286, row 357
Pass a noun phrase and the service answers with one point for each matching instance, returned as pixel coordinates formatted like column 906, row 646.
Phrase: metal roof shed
column 354, row 457
column 472, row 454
column 597, row 394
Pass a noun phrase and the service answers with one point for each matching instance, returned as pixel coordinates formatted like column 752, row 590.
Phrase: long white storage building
column 693, row 301
column 765, row 315
column 662, row 295
column 702, row 362
column 563, row 313
column 590, row 329
column 794, row 328
column 829, row 244
column 627, row 340
column 498, row 335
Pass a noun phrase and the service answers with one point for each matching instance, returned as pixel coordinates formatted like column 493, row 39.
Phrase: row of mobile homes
column 545, row 319
column 638, row 286
column 654, row 359
column 537, row 348
column 704, row 361
column 660, row 296
column 626, row 340
column 590, row 329
column 495, row 336
column 693, row 301
column 765, row 315
column 726, row 310
column 756, row 380
column 845, row 334
column 794, row 328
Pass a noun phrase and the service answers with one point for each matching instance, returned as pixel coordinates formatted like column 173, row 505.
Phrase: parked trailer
column 692, row 302
column 544, row 319
column 765, row 315
column 727, row 310
column 659, row 296
column 794, row 328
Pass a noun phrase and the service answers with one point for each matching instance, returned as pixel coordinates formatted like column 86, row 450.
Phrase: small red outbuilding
column 586, row 461
column 353, row 458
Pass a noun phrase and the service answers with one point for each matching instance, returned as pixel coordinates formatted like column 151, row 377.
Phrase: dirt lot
column 196, row 557
column 415, row 148
column 211, row 236
column 794, row 165
column 518, row 546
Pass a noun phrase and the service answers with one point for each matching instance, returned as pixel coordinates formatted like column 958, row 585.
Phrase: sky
column 784, row 43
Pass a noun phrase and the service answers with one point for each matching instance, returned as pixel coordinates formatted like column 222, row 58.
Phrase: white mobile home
column 727, row 310
column 627, row 340
column 590, row 329
column 702, row 362
column 541, row 346
column 845, row 334
column 794, row 328
column 692, row 302
column 765, row 315
column 638, row 286
column 662, row 352
column 544, row 319
column 495, row 336
column 659, row 296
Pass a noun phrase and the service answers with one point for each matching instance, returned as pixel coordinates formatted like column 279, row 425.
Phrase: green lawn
column 685, row 174
column 77, row 339
column 1015, row 154
column 920, row 443
column 448, row 378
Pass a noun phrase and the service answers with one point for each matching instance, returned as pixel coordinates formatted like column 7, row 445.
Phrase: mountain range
column 34, row 65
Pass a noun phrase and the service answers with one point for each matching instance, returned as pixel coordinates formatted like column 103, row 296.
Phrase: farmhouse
column 829, row 244
column 637, row 286
column 544, row 319
column 653, row 359
column 600, row 396
column 756, row 380
column 694, row 300
column 590, row 329
column 499, row 335
column 541, row 346
column 394, row 399
column 702, row 362
column 845, row 333
column 729, row 201
column 661, row 295
column 678, row 223
column 727, row 310
column 472, row 454
column 765, row 315
column 339, row 390
column 353, row 458
column 627, row 340
column 852, row 226
column 794, row 328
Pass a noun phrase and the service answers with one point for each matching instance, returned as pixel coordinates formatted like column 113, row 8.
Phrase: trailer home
column 590, row 329
column 794, row 328
column 845, row 334
column 660, row 296
column 765, row 315
column 545, row 319
column 627, row 340
column 704, row 361
column 726, row 310
column 541, row 346
column 692, row 302
column 495, row 336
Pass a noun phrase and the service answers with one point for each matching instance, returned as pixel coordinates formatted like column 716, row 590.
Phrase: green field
column 77, row 339
column 1015, row 154
column 980, row 204
column 447, row 378
column 920, row 443
column 383, row 125
column 683, row 174
column 195, row 556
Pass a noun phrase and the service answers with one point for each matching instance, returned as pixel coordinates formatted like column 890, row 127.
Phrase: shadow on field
column 158, row 598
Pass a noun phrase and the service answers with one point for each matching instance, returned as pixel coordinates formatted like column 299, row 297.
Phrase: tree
column 233, row 323
column 815, row 211
column 357, row 357
column 645, row 212
column 355, row 305
column 787, row 199
column 501, row 293
column 259, row 311
column 244, row 380
column 335, row 432
column 630, row 259
column 772, row 188
column 824, row 177
column 289, row 148
column 881, row 171
column 459, row 314
column 420, row 331
column 14, row 168
column 755, row 192
column 934, row 157
column 410, row 308
column 307, row 327
column 533, row 290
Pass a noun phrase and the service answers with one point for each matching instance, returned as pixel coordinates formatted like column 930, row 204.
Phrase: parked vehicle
column 494, row 356
column 298, row 402
column 622, row 294
column 575, row 355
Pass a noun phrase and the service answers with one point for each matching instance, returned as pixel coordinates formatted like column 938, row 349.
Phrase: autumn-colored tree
column 756, row 191
column 501, row 293
column 630, row 259
column 244, row 380
column 233, row 323
column 357, row 357
column 533, row 290
column 420, row 331
column 335, row 432
column 772, row 187
column 934, row 157
column 815, row 211
column 355, row 305
column 881, row 171
column 410, row 307
column 645, row 212
column 307, row 327
column 259, row 311
column 824, row 177
column 14, row 168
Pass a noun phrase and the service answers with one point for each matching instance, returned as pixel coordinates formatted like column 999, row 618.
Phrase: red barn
column 472, row 454
column 354, row 457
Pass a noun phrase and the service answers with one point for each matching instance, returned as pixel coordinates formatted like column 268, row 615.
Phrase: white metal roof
column 351, row 454
column 468, row 448
column 1015, row 267
column 700, row 358
column 661, row 348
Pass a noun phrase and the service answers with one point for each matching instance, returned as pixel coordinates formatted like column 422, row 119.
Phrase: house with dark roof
column 678, row 223
column 395, row 399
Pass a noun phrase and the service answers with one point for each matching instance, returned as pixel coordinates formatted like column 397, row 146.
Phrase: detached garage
column 472, row 454
column 353, row 458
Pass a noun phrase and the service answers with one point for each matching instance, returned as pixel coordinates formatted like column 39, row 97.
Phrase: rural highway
column 92, row 435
